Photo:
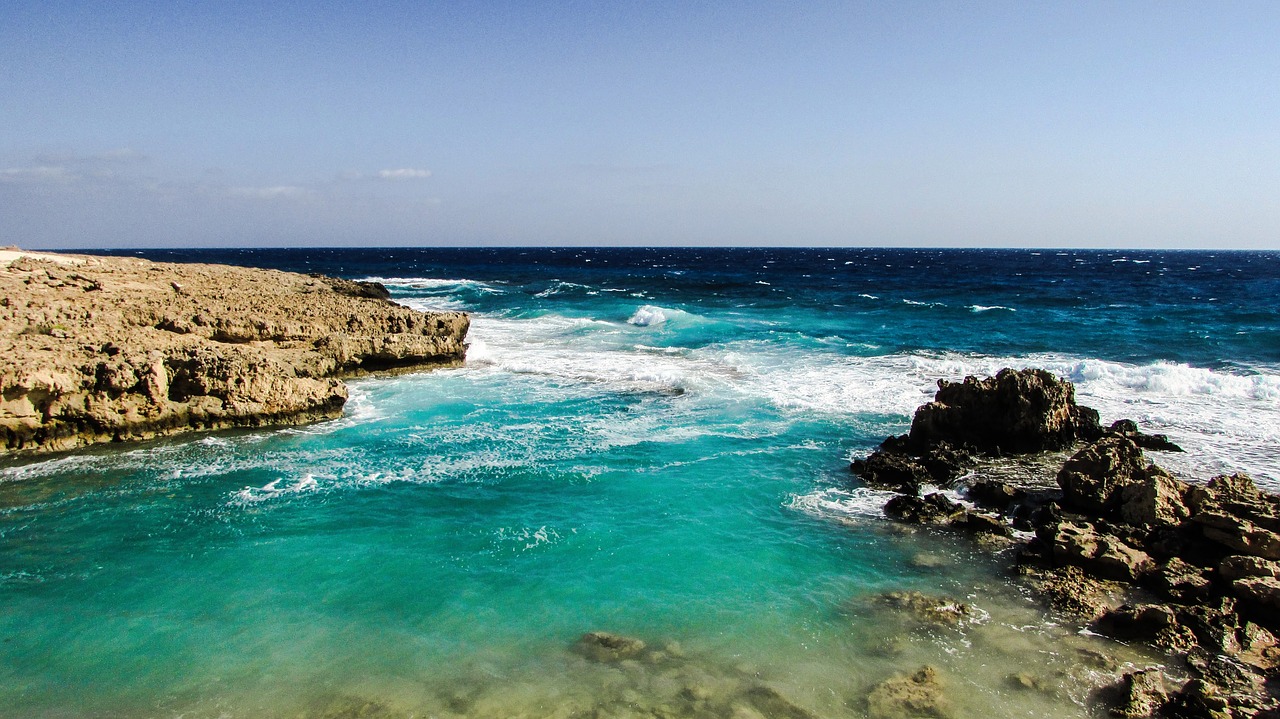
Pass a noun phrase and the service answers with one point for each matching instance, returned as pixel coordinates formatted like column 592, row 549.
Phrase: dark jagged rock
column 995, row 494
column 897, row 467
column 1180, row 581
column 934, row 508
column 1017, row 411
column 1198, row 699
column 1092, row 478
column 1154, row 624
column 1140, row 694
column 890, row 470
column 1210, row 553
column 1154, row 442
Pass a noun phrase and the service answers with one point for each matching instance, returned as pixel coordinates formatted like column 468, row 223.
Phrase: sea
column 649, row 442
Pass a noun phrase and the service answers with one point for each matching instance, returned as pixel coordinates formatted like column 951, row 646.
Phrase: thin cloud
column 405, row 173
column 271, row 193
column 37, row 174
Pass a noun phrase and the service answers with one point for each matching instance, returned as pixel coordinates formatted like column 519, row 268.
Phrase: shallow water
column 628, row 450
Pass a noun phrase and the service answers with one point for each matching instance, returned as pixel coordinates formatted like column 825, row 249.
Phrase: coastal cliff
column 106, row 349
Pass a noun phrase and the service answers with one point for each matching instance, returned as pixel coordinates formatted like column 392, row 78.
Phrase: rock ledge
column 109, row 349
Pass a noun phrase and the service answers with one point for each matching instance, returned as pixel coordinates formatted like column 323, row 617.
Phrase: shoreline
column 1112, row 543
column 103, row 349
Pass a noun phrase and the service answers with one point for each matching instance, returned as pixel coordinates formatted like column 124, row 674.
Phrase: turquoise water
column 671, row 467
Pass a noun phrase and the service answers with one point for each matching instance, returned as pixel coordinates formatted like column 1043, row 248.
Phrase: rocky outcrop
column 1209, row 555
column 98, row 349
column 1017, row 411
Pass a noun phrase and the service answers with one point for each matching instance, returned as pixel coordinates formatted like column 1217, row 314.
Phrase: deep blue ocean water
column 653, row 442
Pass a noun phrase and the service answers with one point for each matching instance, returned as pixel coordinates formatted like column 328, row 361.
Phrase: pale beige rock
column 102, row 349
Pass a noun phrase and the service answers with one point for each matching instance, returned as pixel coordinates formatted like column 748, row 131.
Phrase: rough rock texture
column 1142, row 693
column 1016, row 411
column 102, row 349
column 902, row 697
column 1199, row 564
column 607, row 647
column 1092, row 478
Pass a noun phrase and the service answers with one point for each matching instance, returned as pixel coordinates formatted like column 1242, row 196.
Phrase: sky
column 944, row 124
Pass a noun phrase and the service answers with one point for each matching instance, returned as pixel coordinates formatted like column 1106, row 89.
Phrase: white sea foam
column 648, row 315
column 988, row 308
column 1227, row 421
column 435, row 283
column 559, row 287
column 433, row 304
column 276, row 488
column 857, row 503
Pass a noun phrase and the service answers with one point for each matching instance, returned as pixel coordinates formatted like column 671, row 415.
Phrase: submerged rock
column 606, row 647
column 1070, row 591
column 938, row 611
column 906, row 696
column 773, row 705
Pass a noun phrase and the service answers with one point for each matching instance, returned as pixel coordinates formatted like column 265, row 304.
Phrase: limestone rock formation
column 103, row 349
column 1016, row 411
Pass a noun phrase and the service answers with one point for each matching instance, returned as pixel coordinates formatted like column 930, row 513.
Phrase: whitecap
column 988, row 308
column 648, row 315
column 434, row 283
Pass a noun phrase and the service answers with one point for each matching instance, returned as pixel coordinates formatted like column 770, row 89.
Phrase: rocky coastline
column 110, row 349
column 1111, row 542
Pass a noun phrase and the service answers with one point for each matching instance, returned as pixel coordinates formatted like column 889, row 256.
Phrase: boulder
column 1072, row 592
column 1238, row 566
column 1154, row 442
column 1156, row 498
column 1181, row 582
column 1094, row 475
column 995, row 494
column 1098, row 553
column 1198, row 699
column 906, row 696
column 607, row 647
column 934, row 508
column 1140, row 695
column 1260, row 592
column 1017, row 411
column 1239, row 534
column 884, row 469
column 1216, row 625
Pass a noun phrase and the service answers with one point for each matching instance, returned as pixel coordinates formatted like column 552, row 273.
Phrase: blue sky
column 1079, row 124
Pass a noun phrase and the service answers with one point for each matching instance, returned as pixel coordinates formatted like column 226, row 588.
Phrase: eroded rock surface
column 102, row 349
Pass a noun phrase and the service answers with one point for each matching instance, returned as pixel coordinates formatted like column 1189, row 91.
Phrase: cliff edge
column 107, row 349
